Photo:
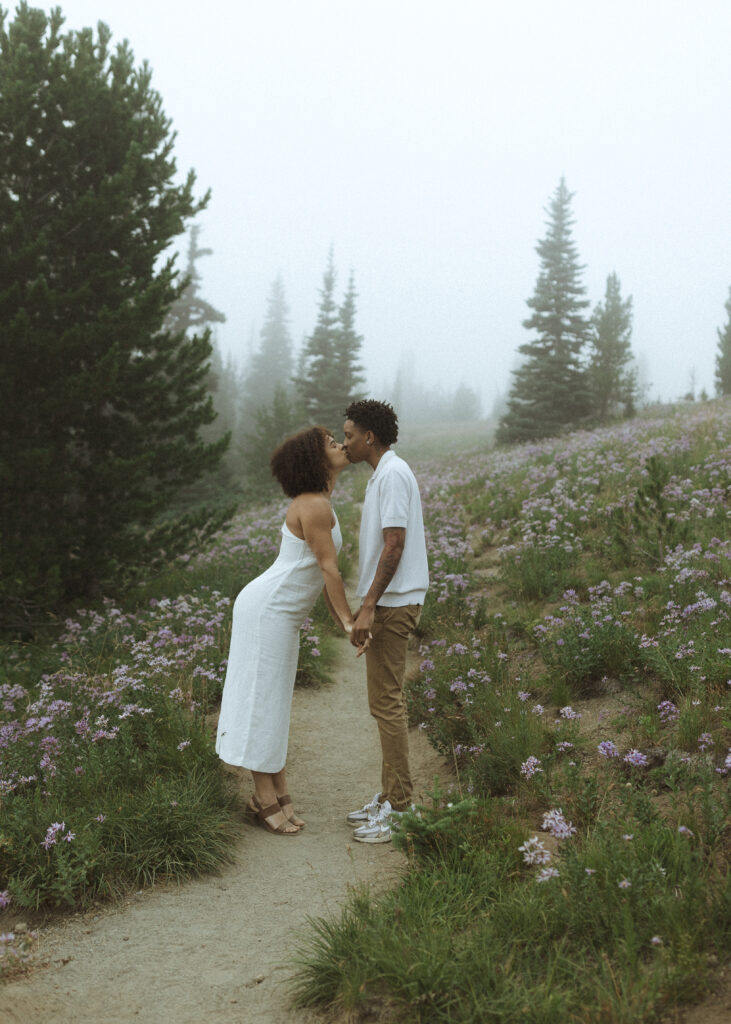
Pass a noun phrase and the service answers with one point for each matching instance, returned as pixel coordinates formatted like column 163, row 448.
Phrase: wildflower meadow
column 109, row 775
column 574, row 667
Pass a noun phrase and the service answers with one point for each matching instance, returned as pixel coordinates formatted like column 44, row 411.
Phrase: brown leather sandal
column 262, row 813
column 286, row 801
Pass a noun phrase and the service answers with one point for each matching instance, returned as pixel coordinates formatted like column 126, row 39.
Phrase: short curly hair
column 299, row 463
column 379, row 417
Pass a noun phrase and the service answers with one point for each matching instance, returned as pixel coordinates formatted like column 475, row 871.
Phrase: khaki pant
column 385, row 668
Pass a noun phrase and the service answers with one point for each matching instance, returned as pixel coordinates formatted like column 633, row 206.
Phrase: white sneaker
column 367, row 811
column 378, row 827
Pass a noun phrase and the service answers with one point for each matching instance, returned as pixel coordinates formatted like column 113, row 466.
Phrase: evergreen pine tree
column 723, row 356
column 273, row 423
column 101, row 406
column 613, row 380
column 550, row 389
column 466, row 406
column 189, row 315
column 319, row 384
column 329, row 375
column 271, row 365
column 347, row 352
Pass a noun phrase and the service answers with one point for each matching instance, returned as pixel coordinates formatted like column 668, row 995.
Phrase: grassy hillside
column 576, row 670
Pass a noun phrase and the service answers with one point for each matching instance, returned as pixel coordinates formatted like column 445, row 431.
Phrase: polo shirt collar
column 384, row 458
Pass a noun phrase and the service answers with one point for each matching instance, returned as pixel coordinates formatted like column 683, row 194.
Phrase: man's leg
column 386, row 666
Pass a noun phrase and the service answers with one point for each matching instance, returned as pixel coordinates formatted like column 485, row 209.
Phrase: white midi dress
column 253, row 727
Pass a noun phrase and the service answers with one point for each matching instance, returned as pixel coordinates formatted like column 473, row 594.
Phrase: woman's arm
column 315, row 516
column 334, row 615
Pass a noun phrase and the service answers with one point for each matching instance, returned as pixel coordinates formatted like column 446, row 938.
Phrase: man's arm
column 394, row 538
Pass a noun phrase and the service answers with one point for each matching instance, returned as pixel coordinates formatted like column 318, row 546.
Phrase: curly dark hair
column 299, row 463
column 379, row 417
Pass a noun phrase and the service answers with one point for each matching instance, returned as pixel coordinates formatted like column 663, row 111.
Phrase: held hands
column 361, row 635
column 361, row 647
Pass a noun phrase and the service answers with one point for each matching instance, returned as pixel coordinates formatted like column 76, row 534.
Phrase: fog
column 422, row 141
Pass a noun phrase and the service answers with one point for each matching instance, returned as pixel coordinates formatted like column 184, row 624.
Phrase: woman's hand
column 362, row 648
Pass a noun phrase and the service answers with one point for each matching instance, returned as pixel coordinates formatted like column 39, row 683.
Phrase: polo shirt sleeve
column 393, row 500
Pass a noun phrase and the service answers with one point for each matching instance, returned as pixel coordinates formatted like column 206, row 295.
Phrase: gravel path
column 217, row 950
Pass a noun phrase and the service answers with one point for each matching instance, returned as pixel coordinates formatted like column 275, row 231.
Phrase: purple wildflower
column 555, row 823
column 534, row 852
column 607, row 749
column 546, row 873
column 636, row 758
column 52, row 834
column 569, row 713
column 668, row 711
column 530, row 767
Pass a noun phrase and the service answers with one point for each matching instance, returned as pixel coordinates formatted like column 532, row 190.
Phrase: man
column 393, row 579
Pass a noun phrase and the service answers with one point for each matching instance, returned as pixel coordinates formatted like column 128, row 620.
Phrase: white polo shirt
column 392, row 499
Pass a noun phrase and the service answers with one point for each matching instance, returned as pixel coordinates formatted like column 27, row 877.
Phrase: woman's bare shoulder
column 311, row 509
column 311, row 500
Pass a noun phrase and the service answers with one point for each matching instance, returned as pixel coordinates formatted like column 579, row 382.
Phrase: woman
column 253, row 727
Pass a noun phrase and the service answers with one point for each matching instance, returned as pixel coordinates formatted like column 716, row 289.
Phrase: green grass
column 589, row 679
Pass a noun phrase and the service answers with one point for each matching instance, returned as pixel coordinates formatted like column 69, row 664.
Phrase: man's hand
column 362, row 625
column 360, row 648
column 364, row 646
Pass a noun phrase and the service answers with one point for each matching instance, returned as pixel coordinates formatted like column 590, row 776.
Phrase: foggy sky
column 422, row 140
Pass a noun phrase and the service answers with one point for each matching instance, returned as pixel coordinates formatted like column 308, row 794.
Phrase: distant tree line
column 578, row 370
column 277, row 390
column 121, row 425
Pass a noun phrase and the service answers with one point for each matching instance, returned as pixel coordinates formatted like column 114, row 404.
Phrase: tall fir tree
column 102, row 407
column 466, row 405
column 550, row 389
column 723, row 356
column 319, row 380
column 330, row 373
column 271, row 364
column 272, row 424
column 191, row 314
column 348, row 345
column 612, row 377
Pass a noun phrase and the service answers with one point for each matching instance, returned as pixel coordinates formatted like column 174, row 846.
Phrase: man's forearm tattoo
column 387, row 566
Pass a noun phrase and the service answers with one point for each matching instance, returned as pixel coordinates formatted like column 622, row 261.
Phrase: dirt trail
column 218, row 949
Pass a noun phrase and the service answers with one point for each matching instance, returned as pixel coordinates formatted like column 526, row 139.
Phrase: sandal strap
column 284, row 800
column 267, row 812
